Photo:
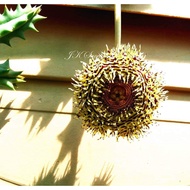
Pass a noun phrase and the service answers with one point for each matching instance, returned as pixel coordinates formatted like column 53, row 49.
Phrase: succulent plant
column 8, row 77
column 14, row 24
column 117, row 93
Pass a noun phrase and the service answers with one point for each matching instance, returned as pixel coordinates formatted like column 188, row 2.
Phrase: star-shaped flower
column 117, row 93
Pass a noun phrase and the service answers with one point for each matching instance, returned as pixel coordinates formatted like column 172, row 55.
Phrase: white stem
column 117, row 24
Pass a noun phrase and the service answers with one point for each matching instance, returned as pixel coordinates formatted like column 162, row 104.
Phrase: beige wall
column 41, row 142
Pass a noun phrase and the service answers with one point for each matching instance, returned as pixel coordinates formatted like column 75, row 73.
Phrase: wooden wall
column 42, row 143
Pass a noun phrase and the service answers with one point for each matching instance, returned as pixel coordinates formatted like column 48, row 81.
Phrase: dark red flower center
column 118, row 96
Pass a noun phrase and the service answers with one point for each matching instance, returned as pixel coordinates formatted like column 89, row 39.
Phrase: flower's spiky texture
column 15, row 23
column 8, row 77
column 117, row 93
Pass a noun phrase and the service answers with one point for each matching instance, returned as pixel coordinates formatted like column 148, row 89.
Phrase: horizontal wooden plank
column 70, row 34
column 55, row 96
column 39, row 95
column 56, row 151
column 6, row 183
column 32, row 69
column 178, row 9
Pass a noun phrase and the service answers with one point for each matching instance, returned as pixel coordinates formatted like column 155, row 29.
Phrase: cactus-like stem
column 9, row 77
column 15, row 23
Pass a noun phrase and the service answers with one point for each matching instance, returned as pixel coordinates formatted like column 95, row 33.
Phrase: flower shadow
column 50, row 179
column 105, row 177
column 70, row 139
column 68, row 179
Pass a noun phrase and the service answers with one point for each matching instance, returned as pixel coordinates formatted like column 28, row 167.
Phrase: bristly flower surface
column 117, row 93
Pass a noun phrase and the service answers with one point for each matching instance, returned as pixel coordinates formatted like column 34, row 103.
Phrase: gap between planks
column 74, row 114
column 9, row 182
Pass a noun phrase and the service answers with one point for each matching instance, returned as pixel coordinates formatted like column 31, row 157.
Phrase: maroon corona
column 118, row 96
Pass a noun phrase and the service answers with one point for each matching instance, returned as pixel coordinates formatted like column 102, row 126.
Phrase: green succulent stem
column 14, row 24
column 9, row 77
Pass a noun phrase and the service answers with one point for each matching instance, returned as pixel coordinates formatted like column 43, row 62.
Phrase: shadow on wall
column 4, row 113
column 49, row 178
column 70, row 139
column 104, row 178
column 68, row 179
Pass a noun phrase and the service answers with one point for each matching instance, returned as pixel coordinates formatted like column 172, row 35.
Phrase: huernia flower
column 117, row 93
